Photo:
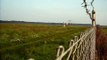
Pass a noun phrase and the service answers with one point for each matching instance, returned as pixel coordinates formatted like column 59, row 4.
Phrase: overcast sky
column 51, row 11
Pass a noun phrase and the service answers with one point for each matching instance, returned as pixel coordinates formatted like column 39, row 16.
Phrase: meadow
column 38, row 41
column 104, row 29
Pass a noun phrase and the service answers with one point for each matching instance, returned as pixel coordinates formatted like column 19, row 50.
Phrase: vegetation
column 101, row 43
column 24, row 41
column 104, row 29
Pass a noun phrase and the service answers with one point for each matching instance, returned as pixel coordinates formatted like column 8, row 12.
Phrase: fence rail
column 81, row 48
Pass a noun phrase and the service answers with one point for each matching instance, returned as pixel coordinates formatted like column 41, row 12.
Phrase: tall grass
column 38, row 41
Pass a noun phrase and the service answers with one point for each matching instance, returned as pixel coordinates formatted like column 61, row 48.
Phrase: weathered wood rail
column 81, row 48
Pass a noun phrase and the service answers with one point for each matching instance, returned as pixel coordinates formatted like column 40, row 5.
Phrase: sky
column 51, row 11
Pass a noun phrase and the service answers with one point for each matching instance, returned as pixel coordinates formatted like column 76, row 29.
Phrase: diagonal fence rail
column 81, row 48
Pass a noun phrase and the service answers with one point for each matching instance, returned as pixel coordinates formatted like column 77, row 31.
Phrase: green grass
column 38, row 41
column 104, row 29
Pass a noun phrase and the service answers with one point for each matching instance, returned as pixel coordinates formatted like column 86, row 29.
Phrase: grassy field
column 24, row 41
column 104, row 29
